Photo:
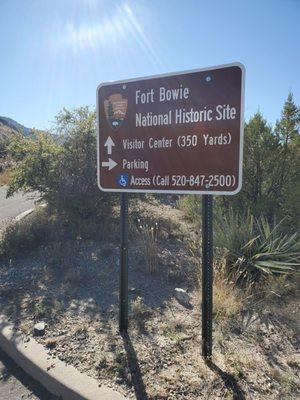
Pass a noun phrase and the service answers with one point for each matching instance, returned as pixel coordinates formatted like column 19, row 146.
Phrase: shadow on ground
column 81, row 276
column 135, row 371
column 229, row 381
column 16, row 384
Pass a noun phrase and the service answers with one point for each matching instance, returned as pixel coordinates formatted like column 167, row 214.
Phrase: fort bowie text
column 221, row 112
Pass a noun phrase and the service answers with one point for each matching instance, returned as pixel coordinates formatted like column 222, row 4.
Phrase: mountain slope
column 8, row 126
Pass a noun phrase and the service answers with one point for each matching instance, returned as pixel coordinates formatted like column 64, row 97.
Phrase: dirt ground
column 73, row 287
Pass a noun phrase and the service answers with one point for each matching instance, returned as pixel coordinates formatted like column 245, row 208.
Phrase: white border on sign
column 200, row 192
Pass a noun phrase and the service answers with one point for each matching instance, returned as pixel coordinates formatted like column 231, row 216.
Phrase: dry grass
column 45, row 227
column 140, row 313
column 44, row 308
column 228, row 299
column 286, row 380
column 275, row 287
column 148, row 236
column 293, row 361
column 5, row 177
column 51, row 342
column 81, row 330
column 164, row 344
column 25, row 327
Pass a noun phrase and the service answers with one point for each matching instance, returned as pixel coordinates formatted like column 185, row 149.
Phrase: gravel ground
column 73, row 287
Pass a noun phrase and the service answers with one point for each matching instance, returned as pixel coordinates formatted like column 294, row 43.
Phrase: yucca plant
column 254, row 247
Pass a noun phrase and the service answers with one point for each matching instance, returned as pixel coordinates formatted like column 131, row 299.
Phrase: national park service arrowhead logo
column 115, row 110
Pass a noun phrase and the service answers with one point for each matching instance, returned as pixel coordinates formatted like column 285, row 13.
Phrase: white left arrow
column 110, row 164
column 109, row 144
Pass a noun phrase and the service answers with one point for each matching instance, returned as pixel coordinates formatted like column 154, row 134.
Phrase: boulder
column 182, row 297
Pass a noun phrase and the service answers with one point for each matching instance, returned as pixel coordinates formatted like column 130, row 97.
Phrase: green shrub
column 36, row 164
column 64, row 172
column 45, row 226
column 29, row 233
column 191, row 205
column 254, row 248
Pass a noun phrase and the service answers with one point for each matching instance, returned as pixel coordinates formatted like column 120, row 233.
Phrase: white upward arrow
column 110, row 164
column 109, row 144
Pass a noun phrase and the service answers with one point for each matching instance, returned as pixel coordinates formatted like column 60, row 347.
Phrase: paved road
column 11, row 207
column 15, row 384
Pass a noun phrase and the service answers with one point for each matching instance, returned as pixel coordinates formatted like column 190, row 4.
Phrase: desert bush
column 64, row 172
column 46, row 227
column 140, row 313
column 5, row 177
column 255, row 248
column 2, row 149
column 275, row 287
column 36, row 164
column 4, row 142
column 29, row 233
column 139, row 309
column 191, row 205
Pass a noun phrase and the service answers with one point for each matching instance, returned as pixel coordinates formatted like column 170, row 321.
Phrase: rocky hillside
column 10, row 127
column 13, row 125
column 5, row 132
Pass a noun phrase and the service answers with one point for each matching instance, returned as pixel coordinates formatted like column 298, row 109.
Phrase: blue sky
column 54, row 53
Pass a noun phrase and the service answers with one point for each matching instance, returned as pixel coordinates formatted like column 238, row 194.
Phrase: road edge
column 23, row 214
column 57, row 377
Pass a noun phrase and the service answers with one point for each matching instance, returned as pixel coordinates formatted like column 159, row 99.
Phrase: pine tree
column 287, row 131
column 287, row 128
column 260, row 148
column 287, row 173
column 271, row 170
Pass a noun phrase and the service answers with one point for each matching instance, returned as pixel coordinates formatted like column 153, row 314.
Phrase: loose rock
column 39, row 329
column 182, row 297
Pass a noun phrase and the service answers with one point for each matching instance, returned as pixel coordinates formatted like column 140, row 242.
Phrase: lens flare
column 109, row 33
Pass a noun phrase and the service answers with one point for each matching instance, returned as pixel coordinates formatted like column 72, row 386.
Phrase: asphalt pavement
column 15, row 384
column 15, row 205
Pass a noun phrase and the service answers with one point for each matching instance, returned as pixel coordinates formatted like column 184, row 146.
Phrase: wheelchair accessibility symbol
column 123, row 180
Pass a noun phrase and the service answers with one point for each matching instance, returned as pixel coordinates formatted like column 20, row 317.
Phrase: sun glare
column 109, row 33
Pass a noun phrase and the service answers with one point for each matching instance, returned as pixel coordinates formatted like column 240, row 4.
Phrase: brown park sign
column 173, row 133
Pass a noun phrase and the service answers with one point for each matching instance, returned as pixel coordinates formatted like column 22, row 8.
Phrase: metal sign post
column 173, row 133
column 123, row 310
column 207, row 275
